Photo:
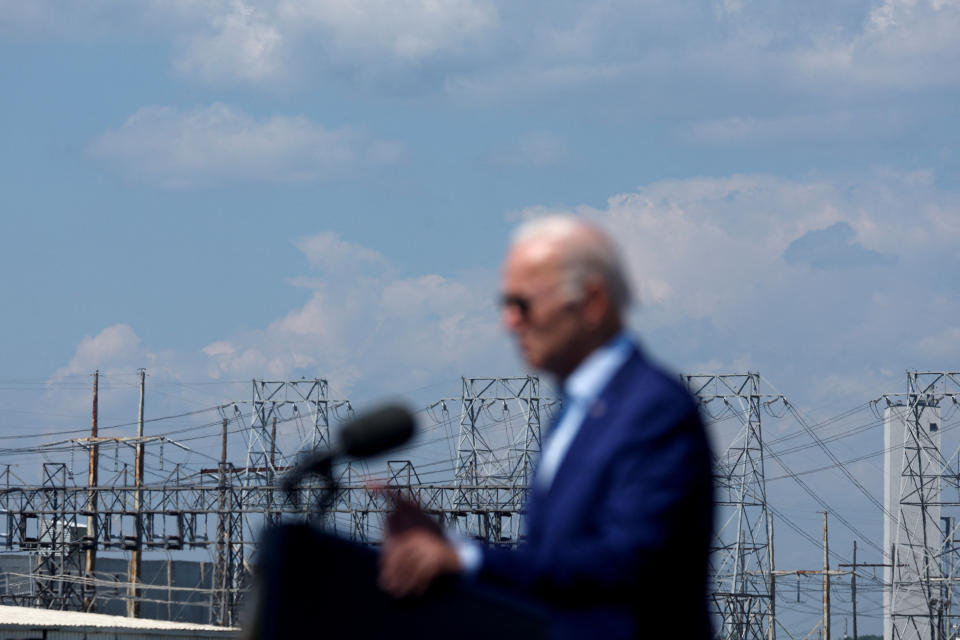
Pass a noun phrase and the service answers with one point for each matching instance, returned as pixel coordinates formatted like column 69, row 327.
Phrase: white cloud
column 709, row 256
column 219, row 348
column 259, row 42
column 244, row 45
column 719, row 284
column 903, row 44
column 670, row 228
column 431, row 294
column 217, row 144
column 501, row 49
column 363, row 322
column 407, row 30
column 699, row 246
column 365, row 329
column 820, row 53
column 329, row 252
column 113, row 347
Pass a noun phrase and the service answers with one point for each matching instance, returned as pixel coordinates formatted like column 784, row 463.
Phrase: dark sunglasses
column 520, row 303
column 523, row 303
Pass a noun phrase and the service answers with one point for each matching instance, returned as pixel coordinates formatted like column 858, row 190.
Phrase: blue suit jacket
column 619, row 542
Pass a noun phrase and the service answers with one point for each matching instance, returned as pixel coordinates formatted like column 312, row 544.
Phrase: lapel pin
column 599, row 409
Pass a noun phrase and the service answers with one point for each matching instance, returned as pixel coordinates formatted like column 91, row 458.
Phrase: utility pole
column 826, row 580
column 853, row 580
column 223, row 572
column 853, row 589
column 223, row 442
column 90, row 564
column 826, row 572
column 271, row 473
column 772, row 619
column 133, row 603
column 945, row 606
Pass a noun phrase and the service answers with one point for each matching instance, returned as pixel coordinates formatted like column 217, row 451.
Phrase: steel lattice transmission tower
column 275, row 402
column 278, row 401
column 919, row 482
column 58, row 565
column 742, row 590
column 497, row 445
column 229, row 576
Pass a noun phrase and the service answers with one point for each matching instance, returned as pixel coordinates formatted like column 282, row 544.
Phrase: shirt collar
column 592, row 375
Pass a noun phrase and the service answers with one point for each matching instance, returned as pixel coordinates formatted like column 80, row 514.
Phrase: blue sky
column 223, row 189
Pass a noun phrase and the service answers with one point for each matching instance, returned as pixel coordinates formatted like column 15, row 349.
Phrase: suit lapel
column 600, row 416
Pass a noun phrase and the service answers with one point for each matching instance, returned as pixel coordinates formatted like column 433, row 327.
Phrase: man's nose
column 511, row 317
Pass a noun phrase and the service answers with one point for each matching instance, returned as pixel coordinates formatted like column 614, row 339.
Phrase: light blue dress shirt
column 580, row 390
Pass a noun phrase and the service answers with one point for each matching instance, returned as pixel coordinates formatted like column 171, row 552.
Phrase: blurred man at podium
column 619, row 513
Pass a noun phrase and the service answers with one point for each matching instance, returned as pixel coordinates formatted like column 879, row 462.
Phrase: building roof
column 27, row 617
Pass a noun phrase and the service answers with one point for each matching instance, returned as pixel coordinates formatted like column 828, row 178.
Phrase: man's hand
column 411, row 560
column 406, row 515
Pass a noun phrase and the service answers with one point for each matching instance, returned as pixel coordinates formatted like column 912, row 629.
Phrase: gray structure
column 176, row 590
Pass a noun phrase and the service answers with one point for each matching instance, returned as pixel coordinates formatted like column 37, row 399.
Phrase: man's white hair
column 586, row 252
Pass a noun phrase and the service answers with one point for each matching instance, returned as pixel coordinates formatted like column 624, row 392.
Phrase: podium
column 311, row 584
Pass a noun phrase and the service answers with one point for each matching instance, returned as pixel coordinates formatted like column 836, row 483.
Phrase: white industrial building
column 25, row 623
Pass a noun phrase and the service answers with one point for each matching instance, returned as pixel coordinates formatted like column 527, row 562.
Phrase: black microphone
column 366, row 435
column 376, row 431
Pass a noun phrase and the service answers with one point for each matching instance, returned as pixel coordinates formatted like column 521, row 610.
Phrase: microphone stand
column 287, row 568
column 324, row 500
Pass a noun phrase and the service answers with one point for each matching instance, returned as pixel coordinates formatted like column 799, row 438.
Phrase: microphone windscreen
column 377, row 431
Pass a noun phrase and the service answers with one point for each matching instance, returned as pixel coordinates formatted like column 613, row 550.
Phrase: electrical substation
column 116, row 524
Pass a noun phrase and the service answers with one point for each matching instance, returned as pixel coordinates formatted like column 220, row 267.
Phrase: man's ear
column 596, row 303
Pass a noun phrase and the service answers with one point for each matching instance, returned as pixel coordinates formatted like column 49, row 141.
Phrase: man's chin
column 531, row 358
column 532, row 362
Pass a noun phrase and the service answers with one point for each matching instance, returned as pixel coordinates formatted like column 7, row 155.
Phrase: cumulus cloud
column 500, row 49
column 750, row 48
column 117, row 351
column 218, row 144
column 252, row 41
column 721, row 265
column 242, row 43
column 751, row 271
column 363, row 322
column 409, row 30
column 902, row 43
column 113, row 347
column 329, row 252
